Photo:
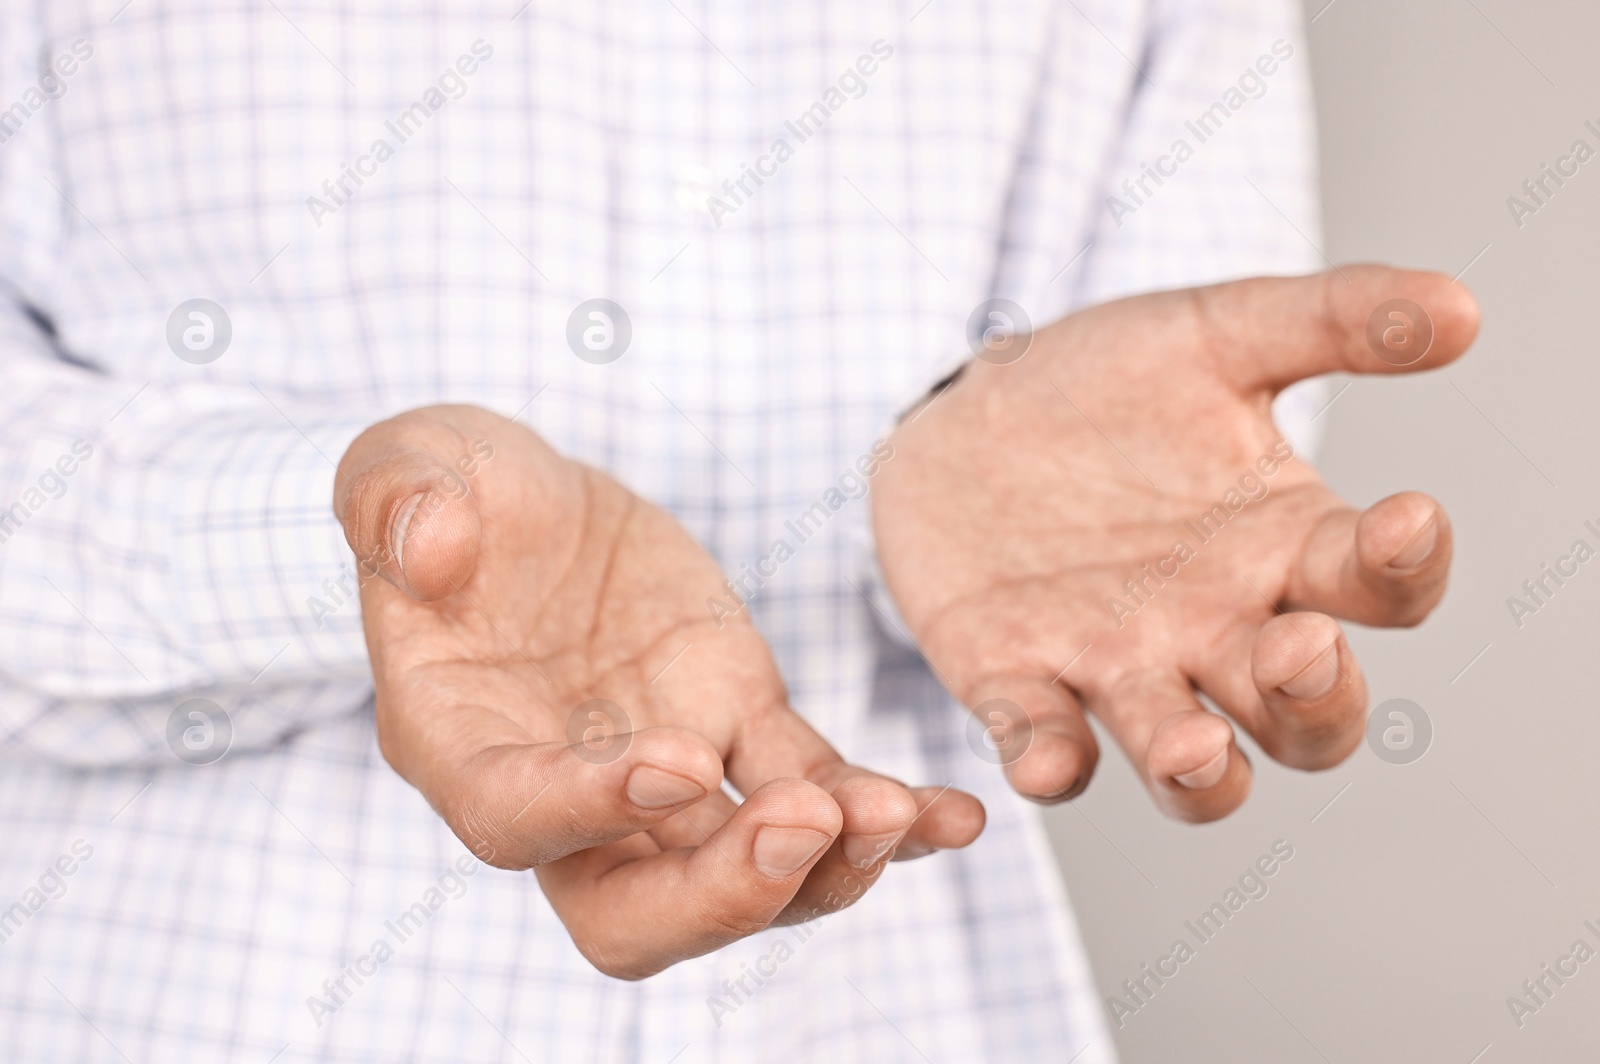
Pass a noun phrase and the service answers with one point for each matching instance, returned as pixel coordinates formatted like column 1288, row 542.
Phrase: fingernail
column 402, row 525
column 655, row 788
column 1316, row 679
column 1208, row 774
column 780, row 852
column 864, row 851
column 1416, row 551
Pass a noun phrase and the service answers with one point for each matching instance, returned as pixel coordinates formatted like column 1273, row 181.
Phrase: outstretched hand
column 1112, row 523
column 549, row 677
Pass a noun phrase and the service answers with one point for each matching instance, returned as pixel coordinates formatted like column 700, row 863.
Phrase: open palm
column 549, row 676
column 1112, row 522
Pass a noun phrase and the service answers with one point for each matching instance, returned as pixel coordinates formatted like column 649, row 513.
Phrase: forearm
column 159, row 541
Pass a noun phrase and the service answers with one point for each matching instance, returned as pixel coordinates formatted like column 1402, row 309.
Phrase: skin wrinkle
column 1295, row 586
column 472, row 821
column 1319, row 728
column 1337, row 332
column 565, row 583
column 1215, row 340
column 581, row 649
column 586, row 508
column 587, row 649
column 426, row 458
column 600, row 955
column 465, row 824
column 961, row 643
column 617, row 539
column 741, row 739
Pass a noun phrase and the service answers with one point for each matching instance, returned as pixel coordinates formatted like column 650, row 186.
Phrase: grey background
column 1426, row 893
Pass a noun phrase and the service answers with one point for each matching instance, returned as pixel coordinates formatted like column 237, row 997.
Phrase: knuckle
column 1210, row 324
column 365, row 505
column 1326, row 728
column 1319, row 751
column 617, row 963
column 487, row 838
column 1323, row 736
column 1336, row 327
column 727, row 921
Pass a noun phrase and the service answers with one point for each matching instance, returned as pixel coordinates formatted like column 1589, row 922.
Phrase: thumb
column 1269, row 332
column 407, row 512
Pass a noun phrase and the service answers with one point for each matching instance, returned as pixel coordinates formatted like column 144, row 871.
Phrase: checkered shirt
column 391, row 203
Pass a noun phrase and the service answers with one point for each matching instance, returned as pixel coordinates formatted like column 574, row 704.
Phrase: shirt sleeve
column 160, row 541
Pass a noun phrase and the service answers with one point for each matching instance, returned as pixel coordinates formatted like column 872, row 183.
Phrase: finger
column 633, row 912
column 407, row 512
column 778, row 742
column 694, row 822
column 1294, row 685
column 732, row 667
column 874, row 806
column 1385, row 567
column 772, row 741
column 522, row 805
column 875, row 815
column 1035, row 729
column 947, row 819
column 1186, row 755
column 883, row 821
column 878, row 812
column 1270, row 332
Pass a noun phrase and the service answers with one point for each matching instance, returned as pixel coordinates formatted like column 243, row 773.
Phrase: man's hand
column 1113, row 522
column 549, row 676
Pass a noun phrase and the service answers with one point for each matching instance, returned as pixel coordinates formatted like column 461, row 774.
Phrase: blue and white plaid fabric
column 398, row 202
